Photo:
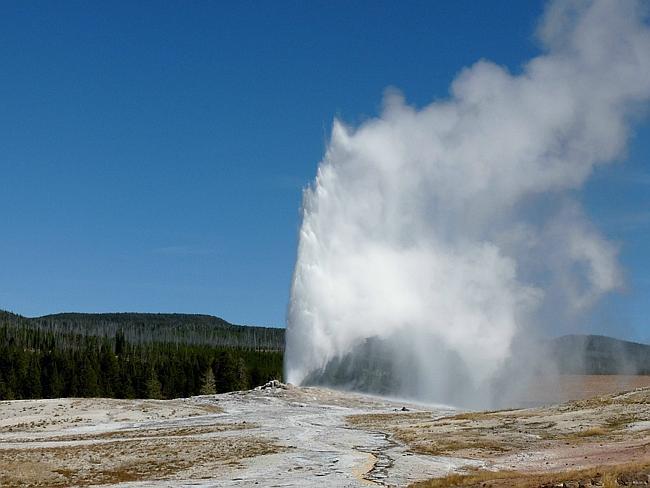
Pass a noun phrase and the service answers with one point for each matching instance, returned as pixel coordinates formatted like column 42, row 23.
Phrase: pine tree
column 32, row 382
column 208, row 384
column 89, row 381
column 226, row 372
column 4, row 389
column 120, row 342
column 242, row 375
column 109, row 372
column 56, row 384
column 154, row 388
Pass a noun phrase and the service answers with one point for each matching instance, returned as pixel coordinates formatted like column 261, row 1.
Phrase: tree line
column 44, row 362
column 156, row 327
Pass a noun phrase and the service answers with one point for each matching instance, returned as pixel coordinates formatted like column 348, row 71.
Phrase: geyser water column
column 436, row 237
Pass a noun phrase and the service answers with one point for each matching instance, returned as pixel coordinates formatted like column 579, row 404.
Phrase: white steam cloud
column 455, row 227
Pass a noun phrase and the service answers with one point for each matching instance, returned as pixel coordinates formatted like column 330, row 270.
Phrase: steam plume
column 449, row 232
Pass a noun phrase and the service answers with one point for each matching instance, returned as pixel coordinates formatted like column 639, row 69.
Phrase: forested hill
column 142, row 328
column 595, row 354
column 129, row 355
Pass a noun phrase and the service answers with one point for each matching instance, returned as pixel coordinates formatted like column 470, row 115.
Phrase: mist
column 438, row 243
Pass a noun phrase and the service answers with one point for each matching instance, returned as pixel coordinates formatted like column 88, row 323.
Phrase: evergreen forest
column 133, row 356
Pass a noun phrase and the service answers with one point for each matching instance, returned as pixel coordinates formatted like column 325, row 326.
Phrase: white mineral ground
column 289, row 436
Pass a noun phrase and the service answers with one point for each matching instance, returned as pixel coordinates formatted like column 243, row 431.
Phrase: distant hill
column 595, row 354
column 375, row 365
column 141, row 328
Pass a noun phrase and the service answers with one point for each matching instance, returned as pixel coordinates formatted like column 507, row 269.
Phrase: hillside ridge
column 142, row 327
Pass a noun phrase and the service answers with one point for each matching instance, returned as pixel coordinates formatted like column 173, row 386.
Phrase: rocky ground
column 308, row 437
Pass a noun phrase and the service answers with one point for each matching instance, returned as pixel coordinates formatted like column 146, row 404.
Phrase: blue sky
column 153, row 153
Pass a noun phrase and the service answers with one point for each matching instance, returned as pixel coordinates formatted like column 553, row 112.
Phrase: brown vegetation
column 120, row 461
column 77, row 442
column 481, row 435
column 637, row 474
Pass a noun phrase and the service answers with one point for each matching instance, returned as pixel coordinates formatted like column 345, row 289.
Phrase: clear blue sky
column 153, row 153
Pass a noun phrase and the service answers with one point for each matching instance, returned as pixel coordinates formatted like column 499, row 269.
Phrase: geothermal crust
column 282, row 435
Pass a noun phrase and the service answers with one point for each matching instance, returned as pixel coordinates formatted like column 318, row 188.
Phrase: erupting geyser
column 433, row 239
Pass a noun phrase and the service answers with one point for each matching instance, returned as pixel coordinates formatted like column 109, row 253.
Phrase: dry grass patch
column 474, row 416
column 490, row 434
column 612, row 476
column 592, row 432
column 441, row 447
column 128, row 434
column 620, row 421
column 117, row 461
column 420, row 431
column 630, row 397
column 491, row 414
column 369, row 420
column 424, row 434
column 611, row 427
column 208, row 409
